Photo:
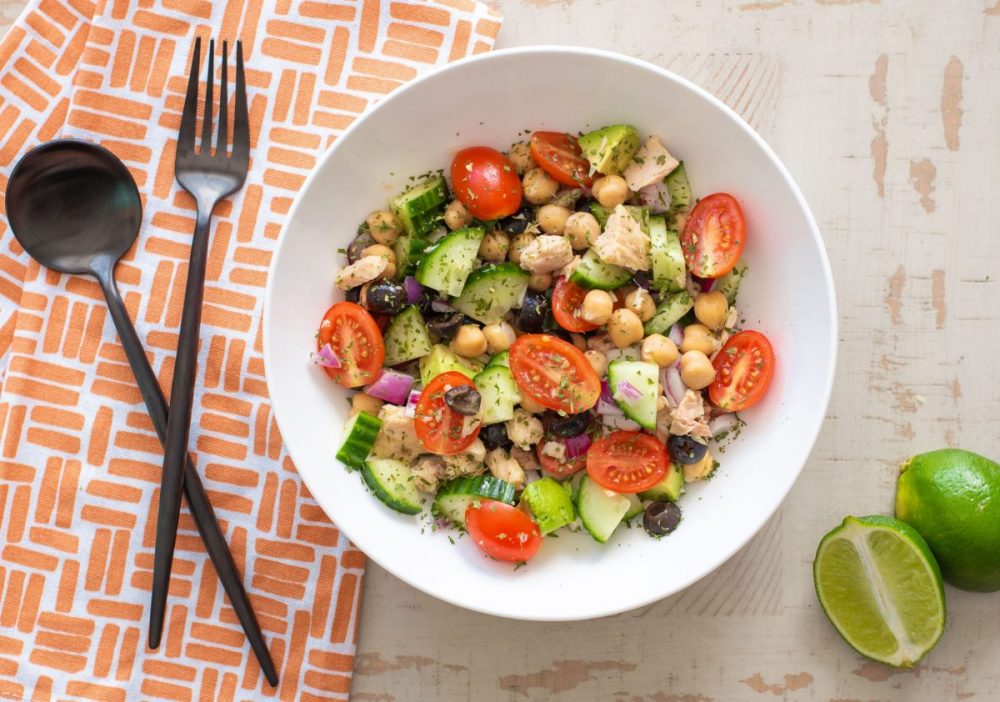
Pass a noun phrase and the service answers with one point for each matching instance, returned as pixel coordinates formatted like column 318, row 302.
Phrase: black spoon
column 75, row 208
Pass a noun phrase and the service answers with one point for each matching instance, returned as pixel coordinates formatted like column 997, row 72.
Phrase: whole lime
column 952, row 498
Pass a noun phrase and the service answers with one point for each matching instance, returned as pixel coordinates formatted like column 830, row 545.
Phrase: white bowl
column 492, row 99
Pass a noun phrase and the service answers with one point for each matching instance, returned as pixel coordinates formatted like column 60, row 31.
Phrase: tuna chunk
column 691, row 416
column 650, row 165
column 623, row 242
column 362, row 271
column 397, row 438
column 546, row 253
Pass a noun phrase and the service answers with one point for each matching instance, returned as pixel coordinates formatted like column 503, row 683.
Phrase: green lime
column 952, row 497
column 881, row 588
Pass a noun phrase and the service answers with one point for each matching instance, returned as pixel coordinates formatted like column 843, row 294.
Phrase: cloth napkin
column 79, row 462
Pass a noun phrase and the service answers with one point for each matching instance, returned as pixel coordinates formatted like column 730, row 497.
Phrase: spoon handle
column 201, row 508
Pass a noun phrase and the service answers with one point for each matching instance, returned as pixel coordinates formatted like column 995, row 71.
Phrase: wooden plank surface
column 885, row 112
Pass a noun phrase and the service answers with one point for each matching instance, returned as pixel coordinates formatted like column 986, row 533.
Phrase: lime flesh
column 881, row 588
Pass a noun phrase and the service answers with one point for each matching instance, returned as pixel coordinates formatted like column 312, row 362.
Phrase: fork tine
column 222, row 143
column 206, row 125
column 241, row 119
column 189, row 115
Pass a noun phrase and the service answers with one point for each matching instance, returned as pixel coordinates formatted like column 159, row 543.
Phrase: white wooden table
column 886, row 113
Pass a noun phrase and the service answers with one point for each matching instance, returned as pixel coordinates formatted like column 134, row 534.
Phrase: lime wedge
column 881, row 588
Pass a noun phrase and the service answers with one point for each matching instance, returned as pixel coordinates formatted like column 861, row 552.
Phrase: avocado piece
column 440, row 360
column 609, row 149
column 669, row 489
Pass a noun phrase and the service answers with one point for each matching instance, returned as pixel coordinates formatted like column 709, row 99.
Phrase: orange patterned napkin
column 79, row 462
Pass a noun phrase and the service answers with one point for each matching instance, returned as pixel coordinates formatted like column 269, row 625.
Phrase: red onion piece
column 414, row 290
column 326, row 357
column 704, row 284
column 676, row 334
column 656, row 197
column 628, row 391
column 722, row 425
column 623, row 423
column 608, row 409
column 606, row 395
column 411, row 403
column 577, row 445
column 442, row 307
column 392, row 386
column 671, row 379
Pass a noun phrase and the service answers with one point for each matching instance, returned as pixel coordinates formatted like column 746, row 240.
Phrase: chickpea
column 579, row 341
column 539, row 186
column 697, row 337
column 711, row 309
column 696, row 370
column 700, row 470
column 661, row 403
column 597, row 306
column 518, row 244
column 456, row 216
column 552, row 218
column 539, row 282
column 582, row 229
column 494, row 246
column 598, row 361
column 610, row 191
column 520, row 156
column 380, row 250
column 529, row 405
column 469, row 341
column 384, row 227
column 388, row 272
column 499, row 336
column 363, row 402
column 641, row 302
column 625, row 328
column 658, row 349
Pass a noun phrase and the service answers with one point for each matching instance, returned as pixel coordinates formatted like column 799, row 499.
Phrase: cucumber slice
column 635, row 508
column 600, row 512
column 442, row 359
column 729, row 284
column 668, row 313
column 409, row 250
column 455, row 496
column 679, row 188
column 499, row 393
column 407, row 337
column 550, row 504
column 500, row 359
column 491, row 292
column 447, row 264
column 419, row 200
column 669, row 269
column 639, row 214
column 392, row 482
column 592, row 273
column 359, row 438
column 670, row 488
column 644, row 379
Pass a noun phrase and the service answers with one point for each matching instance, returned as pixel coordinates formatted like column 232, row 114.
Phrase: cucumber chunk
column 407, row 337
column 635, row 508
column 442, row 359
column 359, row 438
column 669, row 269
column 637, row 377
column 550, row 504
column 499, row 393
column 592, row 273
column 670, row 488
column 446, row 266
column 600, row 512
column 500, row 359
column 417, row 207
column 729, row 284
column 610, row 148
column 409, row 250
column 491, row 292
column 679, row 188
column 668, row 313
column 392, row 482
column 455, row 496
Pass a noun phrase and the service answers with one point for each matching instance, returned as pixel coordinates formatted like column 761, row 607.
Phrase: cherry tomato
column 438, row 426
column 627, row 461
column 713, row 236
column 356, row 340
column 743, row 371
column 559, row 155
column 554, row 373
column 567, row 306
column 502, row 531
column 555, row 467
column 485, row 182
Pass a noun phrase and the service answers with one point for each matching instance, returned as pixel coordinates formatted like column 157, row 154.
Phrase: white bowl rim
column 360, row 539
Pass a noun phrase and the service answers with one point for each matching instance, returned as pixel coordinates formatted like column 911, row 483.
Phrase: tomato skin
column 567, row 306
column 559, row 155
column 554, row 373
column 438, row 426
column 502, row 531
column 714, row 236
column 735, row 388
column 356, row 339
column 485, row 182
column 557, row 468
column 627, row 461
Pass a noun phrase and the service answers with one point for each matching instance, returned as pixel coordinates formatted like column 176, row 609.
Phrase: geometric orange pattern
column 79, row 460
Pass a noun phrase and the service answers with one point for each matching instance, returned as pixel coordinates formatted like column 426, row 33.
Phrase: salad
column 544, row 339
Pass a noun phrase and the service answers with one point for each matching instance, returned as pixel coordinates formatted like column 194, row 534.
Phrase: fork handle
column 175, row 447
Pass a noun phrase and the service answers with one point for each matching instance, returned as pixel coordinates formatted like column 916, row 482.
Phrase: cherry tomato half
column 485, row 182
column 554, row 373
column 438, row 426
column 559, row 155
column 356, row 340
column 713, row 236
column 744, row 368
column 567, row 306
column 559, row 469
column 627, row 461
column 502, row 531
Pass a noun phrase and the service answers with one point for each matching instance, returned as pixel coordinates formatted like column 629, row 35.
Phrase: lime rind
column 881, row 588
